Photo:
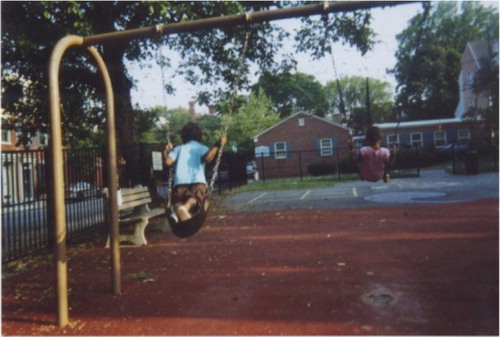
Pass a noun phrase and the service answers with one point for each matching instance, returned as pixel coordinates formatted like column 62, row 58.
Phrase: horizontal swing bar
column 240, row 19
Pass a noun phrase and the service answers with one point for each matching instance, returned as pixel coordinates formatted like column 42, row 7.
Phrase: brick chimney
column 192, row 112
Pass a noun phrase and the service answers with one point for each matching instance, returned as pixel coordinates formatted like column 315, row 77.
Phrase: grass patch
column 294, row 183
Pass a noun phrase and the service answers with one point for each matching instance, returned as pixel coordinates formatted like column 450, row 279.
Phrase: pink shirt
column 373, row 163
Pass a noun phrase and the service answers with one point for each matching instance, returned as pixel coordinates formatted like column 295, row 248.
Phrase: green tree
column 429, row 54
column 253, row 117
column 148, row 122
column 354, row 92
column 30, row 29
column 293, row 92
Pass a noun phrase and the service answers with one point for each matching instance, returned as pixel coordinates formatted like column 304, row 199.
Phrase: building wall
column 429, row 135
column 304, row 137
column 470, row 68
column 300, row 133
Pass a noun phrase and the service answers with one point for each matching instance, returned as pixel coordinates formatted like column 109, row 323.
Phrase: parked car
column 82, row 190
column 251, row 170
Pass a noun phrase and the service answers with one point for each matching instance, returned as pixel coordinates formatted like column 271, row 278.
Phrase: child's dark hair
column 191, row 131
column 373, row 135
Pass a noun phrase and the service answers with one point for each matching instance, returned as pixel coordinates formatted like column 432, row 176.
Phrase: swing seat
column 187, row 228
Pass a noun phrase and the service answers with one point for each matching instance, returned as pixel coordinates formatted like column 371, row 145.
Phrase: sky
column 386, row 23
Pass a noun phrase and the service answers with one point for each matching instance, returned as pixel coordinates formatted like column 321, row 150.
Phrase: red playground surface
column 403, row 270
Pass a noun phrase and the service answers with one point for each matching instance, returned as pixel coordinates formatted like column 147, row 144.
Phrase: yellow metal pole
column 315, row 8
column 112, row 172
column 57, row 203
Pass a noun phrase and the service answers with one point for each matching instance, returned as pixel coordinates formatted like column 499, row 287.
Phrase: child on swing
column 190, row 184
column 373, row 159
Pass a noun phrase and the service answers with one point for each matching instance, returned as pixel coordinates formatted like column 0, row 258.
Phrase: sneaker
column 173, row 216
column 183, row 213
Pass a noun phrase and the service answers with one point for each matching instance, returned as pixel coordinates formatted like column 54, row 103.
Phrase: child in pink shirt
column 373, row 159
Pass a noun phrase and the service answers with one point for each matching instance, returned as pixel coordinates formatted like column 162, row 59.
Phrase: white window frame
column 419, row 141
column 302, row 121
column 6, row 137
column 463, row 135
column 439, row 139
column 470, row 80
column 43, row 139
column 280, row 153
column 391, row 138
column 326, row 147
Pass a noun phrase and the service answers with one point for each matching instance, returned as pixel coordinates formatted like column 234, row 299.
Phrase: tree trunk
column 128, row 139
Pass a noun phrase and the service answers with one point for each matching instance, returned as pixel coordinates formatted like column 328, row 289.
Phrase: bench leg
column 138, row 238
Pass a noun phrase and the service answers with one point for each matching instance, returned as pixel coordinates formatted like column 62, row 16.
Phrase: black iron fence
column 25, row 224
column 330, row 164
column 25, row 213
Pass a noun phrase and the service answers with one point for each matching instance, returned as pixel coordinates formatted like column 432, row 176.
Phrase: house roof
column 412, row 124
column 324, row 120
column 479, row 51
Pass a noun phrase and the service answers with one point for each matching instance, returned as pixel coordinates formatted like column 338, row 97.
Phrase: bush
column 347, row 166
column 321, row 168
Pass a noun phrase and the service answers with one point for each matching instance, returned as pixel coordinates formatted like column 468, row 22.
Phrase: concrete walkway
column 433, row 186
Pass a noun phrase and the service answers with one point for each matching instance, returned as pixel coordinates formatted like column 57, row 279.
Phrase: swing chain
column 161, row 60
column 231, row 108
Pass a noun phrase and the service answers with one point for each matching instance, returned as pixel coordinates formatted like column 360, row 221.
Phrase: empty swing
column 185, row 222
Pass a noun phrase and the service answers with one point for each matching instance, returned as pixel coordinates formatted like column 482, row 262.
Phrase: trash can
column 471, row 162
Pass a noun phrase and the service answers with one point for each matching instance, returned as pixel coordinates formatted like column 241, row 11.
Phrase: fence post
column 263, row 168
column 300, row 165
column 453, row 159
column 338, row 162
column 418, row 161
column 50, row 197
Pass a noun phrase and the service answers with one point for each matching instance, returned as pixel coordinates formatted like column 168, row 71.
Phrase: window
column 302, row 122
column 280, row 150
column 439, row 138
column 416, row 139
column 463, row 135
column 470, row 80
column 43, row 139
column 393, row 139
column 6, row 137
column 473, row 102
column 326, row 147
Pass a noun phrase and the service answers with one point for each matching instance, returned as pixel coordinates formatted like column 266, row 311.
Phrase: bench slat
column 135, row 197
column 128, row 191
column 135, row 203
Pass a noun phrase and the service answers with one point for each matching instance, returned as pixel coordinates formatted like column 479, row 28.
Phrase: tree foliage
column 208, row 57
column 354, row 92
column 429, row 54
column 255, row 116
column 293, row 92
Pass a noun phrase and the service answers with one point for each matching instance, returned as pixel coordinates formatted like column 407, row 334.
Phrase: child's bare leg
column 183, row 211
column 190, row 203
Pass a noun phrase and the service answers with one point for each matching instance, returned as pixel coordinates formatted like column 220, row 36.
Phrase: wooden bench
column 134, row 205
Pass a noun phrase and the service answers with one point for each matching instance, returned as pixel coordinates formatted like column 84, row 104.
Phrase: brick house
column 296, row 142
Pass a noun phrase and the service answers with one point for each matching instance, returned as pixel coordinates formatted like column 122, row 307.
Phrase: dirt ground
column 407, row 270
